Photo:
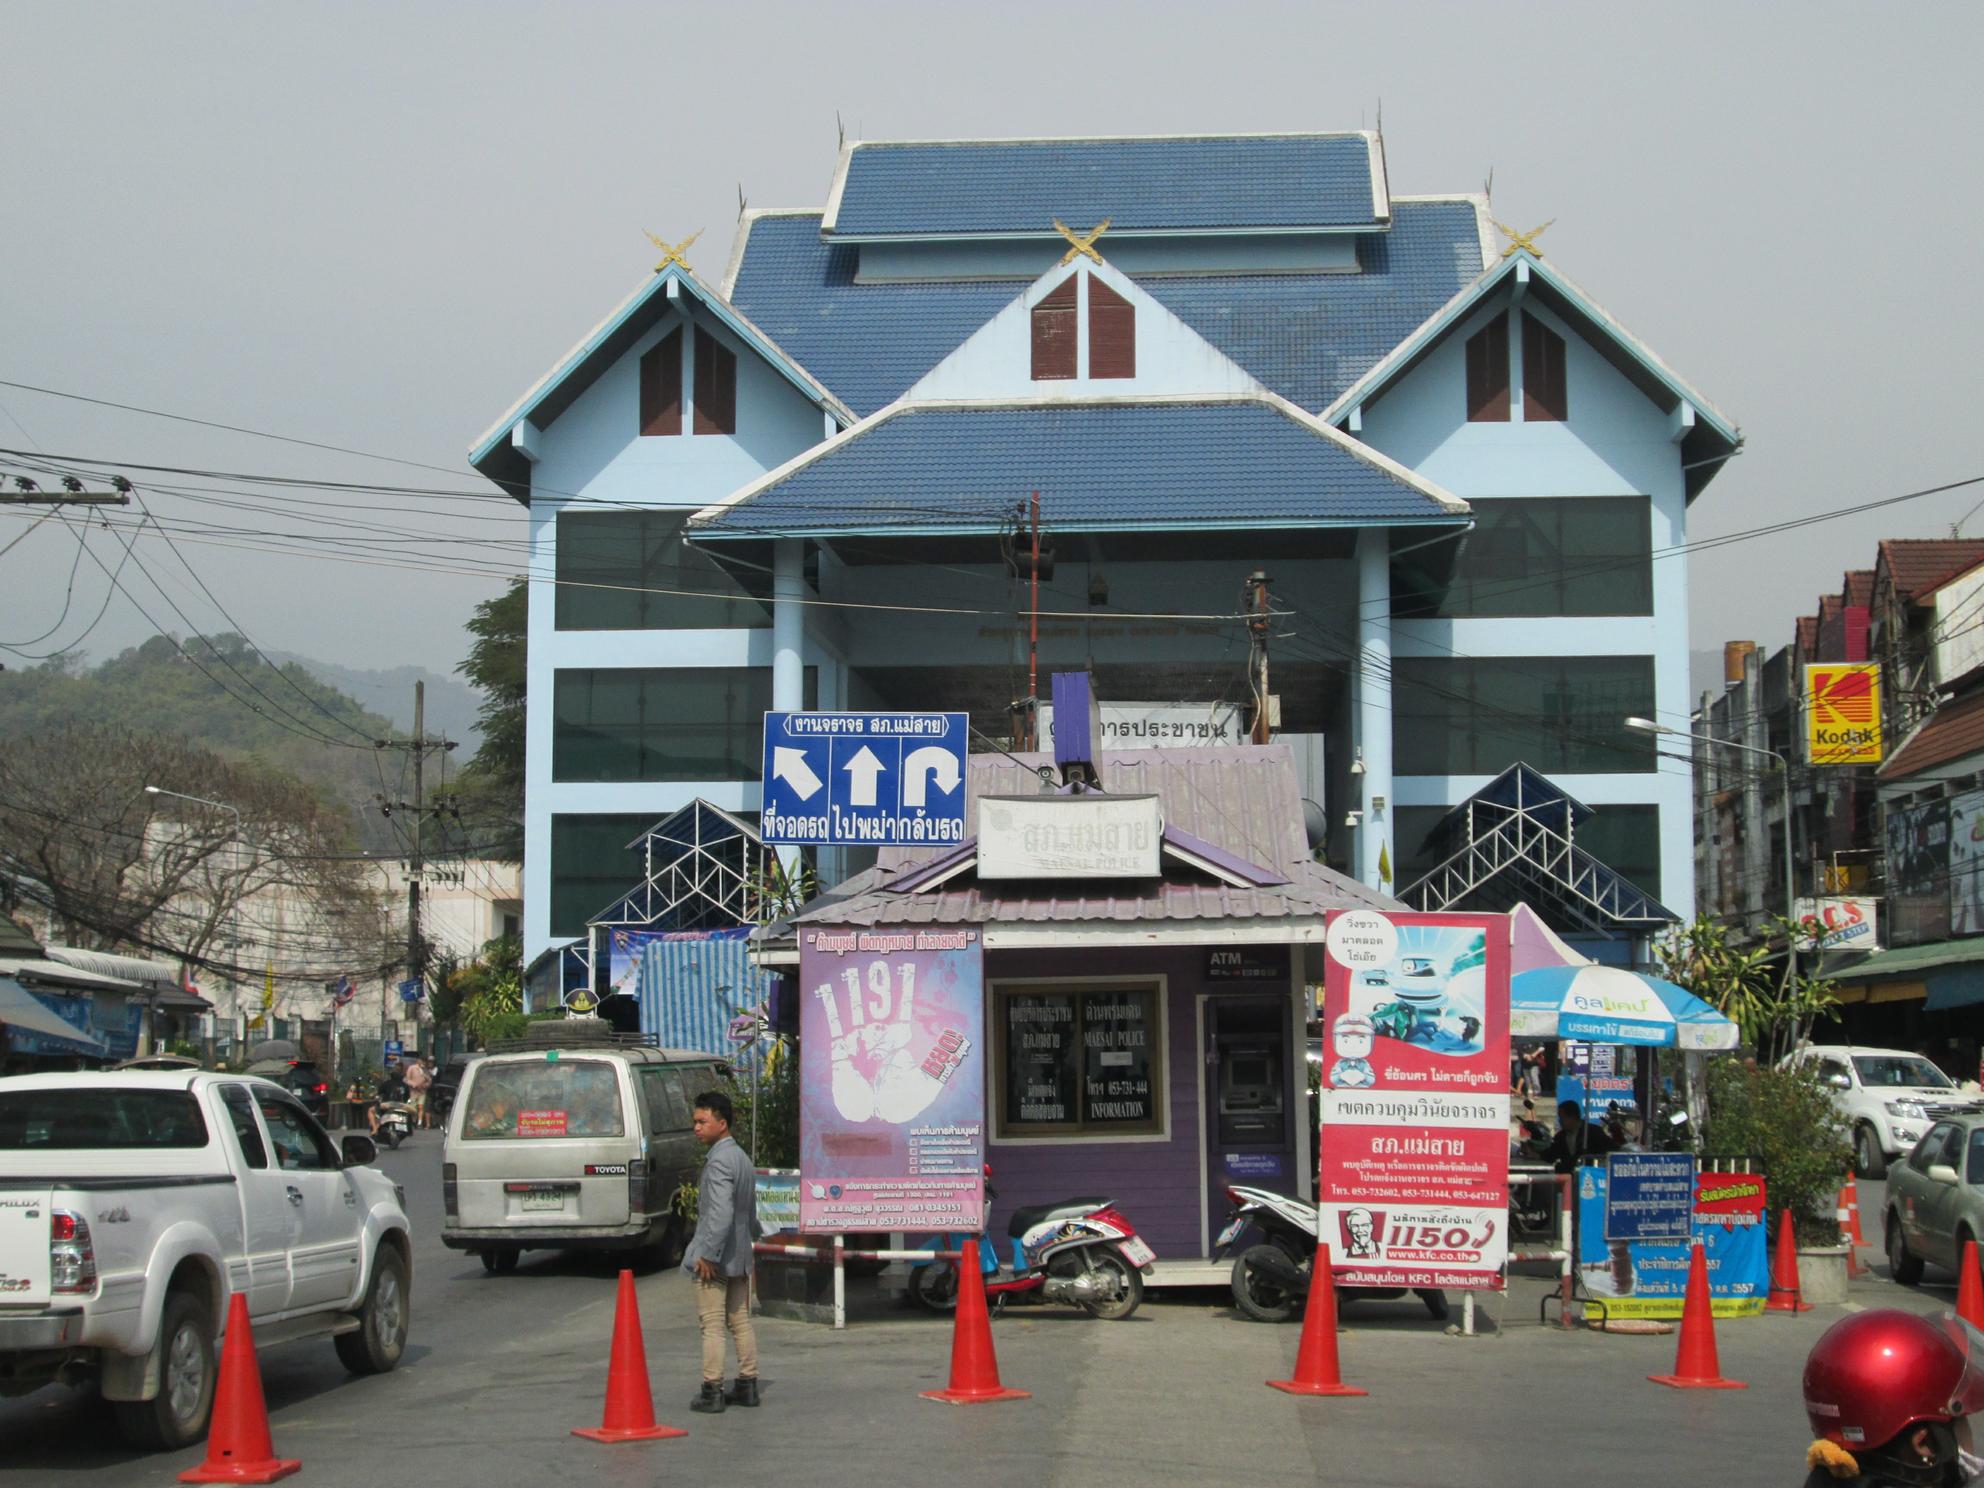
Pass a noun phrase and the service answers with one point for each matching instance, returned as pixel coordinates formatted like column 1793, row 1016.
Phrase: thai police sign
column 873, row 779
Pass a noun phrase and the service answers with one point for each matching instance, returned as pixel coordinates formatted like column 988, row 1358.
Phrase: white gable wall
column 997, row 360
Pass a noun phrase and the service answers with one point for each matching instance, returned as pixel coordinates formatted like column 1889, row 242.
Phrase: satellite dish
column 1316, row 823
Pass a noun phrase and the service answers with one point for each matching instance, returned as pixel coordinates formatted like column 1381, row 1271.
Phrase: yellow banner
column 1843, row 713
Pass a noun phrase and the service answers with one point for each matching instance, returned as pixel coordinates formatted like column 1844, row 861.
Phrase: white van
column 572, row 1138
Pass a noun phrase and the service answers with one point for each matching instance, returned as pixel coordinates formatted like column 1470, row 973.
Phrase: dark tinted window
column 662, row 723
column 1929, row 1150
column 247, row 1135
column 300, row 1143
column 99, row 1117
column 630, row 570
column 1973, row 1165
column 1478, row 716
column 1560, row 555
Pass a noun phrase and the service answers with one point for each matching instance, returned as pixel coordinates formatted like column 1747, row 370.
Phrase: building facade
column 1466, row 485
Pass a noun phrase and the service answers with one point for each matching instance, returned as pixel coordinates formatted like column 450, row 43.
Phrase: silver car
column 1936, row 1198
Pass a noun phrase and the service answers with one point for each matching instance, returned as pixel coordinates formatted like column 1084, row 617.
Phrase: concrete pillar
column 1374, row 703
column 788, row 625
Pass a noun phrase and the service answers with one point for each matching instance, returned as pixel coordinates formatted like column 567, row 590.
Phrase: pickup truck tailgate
column 24, row 1275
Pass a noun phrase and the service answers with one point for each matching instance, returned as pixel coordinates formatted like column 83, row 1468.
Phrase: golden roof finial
column 1084, row 243
column 673, row 255
column 1522, row 239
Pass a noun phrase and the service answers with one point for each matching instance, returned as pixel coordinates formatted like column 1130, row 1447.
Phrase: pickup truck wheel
column 177, row 1416
column 1867, row 1155
column 381, row 1337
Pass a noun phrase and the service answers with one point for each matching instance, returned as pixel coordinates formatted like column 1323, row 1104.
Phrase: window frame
column 1112, row 333
column 998, row 994
column 273, row 1098
column 1485, row 357
column 1426, row 712
column 1545, row 585
column 1546, row 393
column 1054, row 333
column 661, row 560
column 714, row 399
column 654, row 714
column 661, row 387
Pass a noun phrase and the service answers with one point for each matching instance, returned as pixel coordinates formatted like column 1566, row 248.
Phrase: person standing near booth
column 719, row 1257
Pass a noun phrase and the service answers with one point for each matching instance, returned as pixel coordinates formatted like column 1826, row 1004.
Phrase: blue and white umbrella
column 1608, row 1005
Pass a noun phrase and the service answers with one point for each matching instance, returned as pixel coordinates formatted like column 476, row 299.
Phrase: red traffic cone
column 974, row 1367
column 1849, row 1200
column 1316, row 1371
column 629, row 1397
column 1784, row 1292
column 238, row 1446
column 1970, row 1288
column 1695, row 1364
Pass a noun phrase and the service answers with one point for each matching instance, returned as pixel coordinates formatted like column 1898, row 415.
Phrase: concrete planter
column 1822, row 1275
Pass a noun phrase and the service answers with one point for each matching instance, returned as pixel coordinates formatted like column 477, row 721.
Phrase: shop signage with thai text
column 1085, row 836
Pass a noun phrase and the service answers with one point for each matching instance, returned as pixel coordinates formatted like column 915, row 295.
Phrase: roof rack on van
column 571, row 1033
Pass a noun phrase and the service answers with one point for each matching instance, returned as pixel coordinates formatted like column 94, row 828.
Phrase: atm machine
column 1249, row 1136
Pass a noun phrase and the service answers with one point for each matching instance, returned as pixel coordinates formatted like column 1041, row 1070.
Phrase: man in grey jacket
column 719, row 1256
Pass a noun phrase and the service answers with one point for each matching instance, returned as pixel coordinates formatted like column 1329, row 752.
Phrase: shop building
column 1210, row 357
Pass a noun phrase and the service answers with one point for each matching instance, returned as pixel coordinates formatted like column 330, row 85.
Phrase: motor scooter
column 395, row 1122
column 1080, row 1251
column 1271, row 1279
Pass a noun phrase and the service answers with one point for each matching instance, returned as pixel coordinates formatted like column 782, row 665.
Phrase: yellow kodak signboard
column 1843, row 713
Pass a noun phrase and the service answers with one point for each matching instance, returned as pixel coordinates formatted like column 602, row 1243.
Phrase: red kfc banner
column 1414, row 1180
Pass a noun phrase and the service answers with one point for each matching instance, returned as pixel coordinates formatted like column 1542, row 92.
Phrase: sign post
column 864, row 779
column 1413, row 1187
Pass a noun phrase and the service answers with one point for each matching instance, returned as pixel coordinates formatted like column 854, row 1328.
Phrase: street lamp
column 234, row 909
column 1648, row 726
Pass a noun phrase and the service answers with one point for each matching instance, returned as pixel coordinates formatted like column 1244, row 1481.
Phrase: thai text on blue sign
column 864, row 779
column 1649, row 1195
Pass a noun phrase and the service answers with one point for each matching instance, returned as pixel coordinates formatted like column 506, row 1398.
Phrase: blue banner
column 1649, row 1278
column 1649, row 1196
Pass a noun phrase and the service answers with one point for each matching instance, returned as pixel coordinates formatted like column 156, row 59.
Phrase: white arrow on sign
column 924, row 765
column 790, row 766
column 865, row 769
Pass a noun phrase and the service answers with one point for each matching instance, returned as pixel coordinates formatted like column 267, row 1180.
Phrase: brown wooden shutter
column 1488, row 373
column 1054, row 334
column 716, row 385
column 1545, row 396
column 1112, row 332
column 661, row 386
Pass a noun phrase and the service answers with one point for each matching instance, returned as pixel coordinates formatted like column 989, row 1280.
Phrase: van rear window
column 99, row 1119
column 551, row 1098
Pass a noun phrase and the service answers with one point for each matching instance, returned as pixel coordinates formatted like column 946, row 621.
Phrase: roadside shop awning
column 20, row 1009
column 1609, row 1005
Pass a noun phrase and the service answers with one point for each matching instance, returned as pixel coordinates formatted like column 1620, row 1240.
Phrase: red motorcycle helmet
column 1877, row 1373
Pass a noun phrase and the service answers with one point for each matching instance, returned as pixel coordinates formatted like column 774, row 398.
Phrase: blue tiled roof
column 967, row 187
column 1162, row 465
column 1306, row 336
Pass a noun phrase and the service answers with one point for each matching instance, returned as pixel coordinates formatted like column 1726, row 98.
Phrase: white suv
column 1889, row 1097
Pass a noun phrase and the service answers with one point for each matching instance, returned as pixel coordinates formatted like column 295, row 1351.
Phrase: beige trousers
column 725, row 1304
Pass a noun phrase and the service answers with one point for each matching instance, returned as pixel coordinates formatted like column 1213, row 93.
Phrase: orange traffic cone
column 1970, row 1288
column 238, row 1446
column 629, row 1397
column 1849, row 1200
column 1695, row 1364
column 1316, row 1369
column 1784, row 1291
column 974, row 1367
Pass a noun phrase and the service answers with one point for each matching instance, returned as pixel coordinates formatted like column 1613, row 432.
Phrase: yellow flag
column 1384, row 863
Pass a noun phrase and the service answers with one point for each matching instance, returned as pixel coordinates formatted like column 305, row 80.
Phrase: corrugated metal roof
column 941, row 188
column 1243, row 800
column 1951, row 732
column 1306, row 336
column 1154, row 465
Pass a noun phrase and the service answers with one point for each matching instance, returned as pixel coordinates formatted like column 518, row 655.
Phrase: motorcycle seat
column 1025, row 1219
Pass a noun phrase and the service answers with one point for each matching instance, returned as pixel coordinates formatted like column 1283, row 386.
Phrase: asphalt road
column 499, row 1369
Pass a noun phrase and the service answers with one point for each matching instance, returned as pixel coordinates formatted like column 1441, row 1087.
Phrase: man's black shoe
column 710, row 1402
column 744, row 1391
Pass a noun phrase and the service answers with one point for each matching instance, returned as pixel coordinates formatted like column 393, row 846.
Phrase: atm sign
column 1843, row 713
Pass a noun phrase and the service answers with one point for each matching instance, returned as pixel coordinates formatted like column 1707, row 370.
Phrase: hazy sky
column 372, row 226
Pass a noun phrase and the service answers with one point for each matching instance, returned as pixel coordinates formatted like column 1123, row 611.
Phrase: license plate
column 547, row 1200
column 1139, row 1253
column 1231, row 1233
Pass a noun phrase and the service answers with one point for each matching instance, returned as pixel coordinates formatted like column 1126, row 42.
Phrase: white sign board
column 1160, row 725
column 1959, row 639
column 1837, row 925
column 1085, row 836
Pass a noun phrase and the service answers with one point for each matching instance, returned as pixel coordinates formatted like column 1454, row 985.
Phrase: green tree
column 1786, row 1120
column 1774, row 1008
column 492, row 785
column 486, row 995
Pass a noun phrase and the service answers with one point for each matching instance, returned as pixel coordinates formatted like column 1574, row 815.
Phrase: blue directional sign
column 864, row 779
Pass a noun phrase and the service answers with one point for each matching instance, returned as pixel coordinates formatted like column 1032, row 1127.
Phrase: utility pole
column 1257, row 653
column 420, row 746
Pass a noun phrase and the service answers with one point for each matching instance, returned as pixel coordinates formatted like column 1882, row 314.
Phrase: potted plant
column 1786, row 1121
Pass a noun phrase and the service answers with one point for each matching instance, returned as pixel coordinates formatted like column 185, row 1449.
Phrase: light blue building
column 1467, row 484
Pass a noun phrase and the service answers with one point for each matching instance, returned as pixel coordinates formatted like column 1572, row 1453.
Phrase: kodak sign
column 1843, row 713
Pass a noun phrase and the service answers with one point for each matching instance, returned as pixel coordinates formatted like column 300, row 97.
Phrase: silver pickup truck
column 134, row 1203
